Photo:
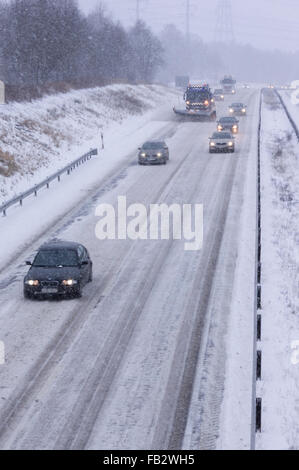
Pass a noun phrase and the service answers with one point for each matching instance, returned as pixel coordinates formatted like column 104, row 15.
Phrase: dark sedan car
column 153, row 152
column 59, row 268
column 229, row 123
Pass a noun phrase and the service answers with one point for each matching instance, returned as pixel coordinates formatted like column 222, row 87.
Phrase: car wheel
column 90, row 275
column 79, row 291
column 27, row 295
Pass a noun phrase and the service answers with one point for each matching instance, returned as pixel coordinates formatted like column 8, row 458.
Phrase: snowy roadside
column 280, row 279
column 39, row 138
column 290, row 98
column 22, row 225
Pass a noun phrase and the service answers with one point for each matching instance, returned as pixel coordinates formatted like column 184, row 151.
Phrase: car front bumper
column 152, row 160
column 222, row 149
column 60, row 290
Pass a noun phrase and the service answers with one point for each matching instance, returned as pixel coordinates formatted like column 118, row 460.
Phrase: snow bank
column 280, row 280
column 39, row 138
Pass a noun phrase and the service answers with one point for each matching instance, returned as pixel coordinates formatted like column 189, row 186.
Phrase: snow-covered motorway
column 116, row 369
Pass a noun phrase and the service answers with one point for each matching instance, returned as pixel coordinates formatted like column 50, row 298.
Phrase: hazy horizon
column 272, row 28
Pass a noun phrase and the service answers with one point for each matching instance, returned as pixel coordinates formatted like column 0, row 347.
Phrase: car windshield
column 237, row 105
column 221, row 135
column 56, row 257
column 227, row 119
column 153, row 145
column 218, row 92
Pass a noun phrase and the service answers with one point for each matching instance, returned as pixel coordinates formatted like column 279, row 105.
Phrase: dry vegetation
column 8, row 165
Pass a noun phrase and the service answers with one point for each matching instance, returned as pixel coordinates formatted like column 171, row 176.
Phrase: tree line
column 198, row 59
column 45, row 42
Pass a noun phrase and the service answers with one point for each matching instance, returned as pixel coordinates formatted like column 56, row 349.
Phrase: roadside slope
column 40, row 137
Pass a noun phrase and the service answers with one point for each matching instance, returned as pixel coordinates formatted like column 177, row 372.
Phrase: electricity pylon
column 224, row 30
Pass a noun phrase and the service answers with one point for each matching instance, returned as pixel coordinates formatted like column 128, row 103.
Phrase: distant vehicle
column 222, row 142
column 182, row 81
column 246, row 86
column 59, row 269
column 271, row 86
column 228, row 84
column 200, row 103
column 154, row 152
column 228, row 123
column 237, row 109
column 219, row 94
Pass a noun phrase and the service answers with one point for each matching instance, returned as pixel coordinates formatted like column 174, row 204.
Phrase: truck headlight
column 32, row 282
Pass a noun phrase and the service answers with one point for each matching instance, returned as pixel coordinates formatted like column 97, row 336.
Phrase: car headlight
column 230, row 144
column 69, row 282
column 231, row 110
column 222, row 96
column 159, row 154
column 219, row 128
column 187, row 102
column 212, row 144
column 243, row 110
column 32, row 282
column 143, row 154
column 206, row 103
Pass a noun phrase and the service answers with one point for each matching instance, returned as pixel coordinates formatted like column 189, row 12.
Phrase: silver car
column 222, row 142
column 237, row 109
column 219, row 94
column 153, row 152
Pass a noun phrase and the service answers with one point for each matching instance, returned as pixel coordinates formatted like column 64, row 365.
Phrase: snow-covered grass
column 39, row 138
column 280, row 280
column 291, row 99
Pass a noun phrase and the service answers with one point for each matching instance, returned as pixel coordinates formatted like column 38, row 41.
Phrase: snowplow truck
column 199, row 103
column 228, row 85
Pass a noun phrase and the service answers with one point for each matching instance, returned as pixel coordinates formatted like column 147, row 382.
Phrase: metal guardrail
column 46, row 183
column 256, row 401
column 257, row 353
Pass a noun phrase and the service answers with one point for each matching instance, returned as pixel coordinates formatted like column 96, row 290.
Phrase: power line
column 137, row 11
column 188, row 21
column 224, row 31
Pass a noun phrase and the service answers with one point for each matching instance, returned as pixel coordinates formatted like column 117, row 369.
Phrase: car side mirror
column 28, row 263
column 84, row 263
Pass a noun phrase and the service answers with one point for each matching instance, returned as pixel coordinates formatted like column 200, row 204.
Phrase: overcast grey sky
column 266, row 24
